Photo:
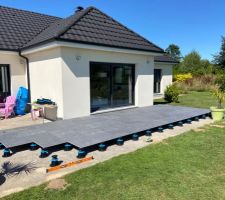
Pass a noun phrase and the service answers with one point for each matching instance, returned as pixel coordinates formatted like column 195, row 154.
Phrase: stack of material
column 50, row 112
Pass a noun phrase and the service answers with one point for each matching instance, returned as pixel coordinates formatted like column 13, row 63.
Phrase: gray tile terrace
column 95, row 129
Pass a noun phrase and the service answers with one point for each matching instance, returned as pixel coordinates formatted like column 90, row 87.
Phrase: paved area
column 10, row 184
column 20, row 121
column 94, row 129
column 158, row 96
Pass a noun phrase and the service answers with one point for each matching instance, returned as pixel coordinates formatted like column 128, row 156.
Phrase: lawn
column 194, row 99
column 189, row 166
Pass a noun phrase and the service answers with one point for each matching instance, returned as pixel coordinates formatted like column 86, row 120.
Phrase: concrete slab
column 94, row 129
column 20, row 121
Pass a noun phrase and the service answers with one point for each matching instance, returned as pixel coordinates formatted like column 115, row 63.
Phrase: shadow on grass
column 163, row 102
column 8, row 169
column 160, row 103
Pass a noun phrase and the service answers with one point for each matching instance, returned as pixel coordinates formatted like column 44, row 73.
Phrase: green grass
column 194, row 99
column 189, row 166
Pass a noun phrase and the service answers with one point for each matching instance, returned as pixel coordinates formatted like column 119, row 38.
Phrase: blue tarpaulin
column 21, row 101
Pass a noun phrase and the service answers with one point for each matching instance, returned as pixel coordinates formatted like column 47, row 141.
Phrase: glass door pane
column 100, row 86
column 122, row 85
column 4, row 81
column 157, row 80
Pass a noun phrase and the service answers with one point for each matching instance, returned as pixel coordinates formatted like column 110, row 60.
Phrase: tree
column 191, row 62
column 219, row 59
column 206, row 67
column 174, row 51
column 194, row 64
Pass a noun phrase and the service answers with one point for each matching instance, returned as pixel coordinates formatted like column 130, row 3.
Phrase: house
column 86, row 63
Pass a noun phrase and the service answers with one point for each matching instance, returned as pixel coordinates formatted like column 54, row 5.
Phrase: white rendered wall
column 167, row 75
column 46, row 77
column 17, row 70
column 62, row 74
column 76, row 78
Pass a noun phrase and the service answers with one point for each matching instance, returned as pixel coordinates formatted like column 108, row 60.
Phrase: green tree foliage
column 194, row 64
column 219, row 59
column 174, row 51
column 206, row 66
column 191, row 62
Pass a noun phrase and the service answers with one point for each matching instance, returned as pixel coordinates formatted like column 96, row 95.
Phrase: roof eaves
column 171, row 62
column 5, row 49
column 105, row 45
column 38, row 44
column 80, row 42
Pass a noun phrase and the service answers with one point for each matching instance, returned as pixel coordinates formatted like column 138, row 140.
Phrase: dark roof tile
column 23, row 29
column 18, row 26
column 165, row 59
column 94, row 27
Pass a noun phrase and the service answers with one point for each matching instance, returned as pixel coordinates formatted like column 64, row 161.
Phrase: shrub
column 220, row 81
column 183, row 77
column 219, row 90
column 172, row 93
column 197, row 83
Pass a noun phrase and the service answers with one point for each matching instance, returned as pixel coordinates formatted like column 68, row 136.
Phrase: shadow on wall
column 9, row 169
column 78, row 62
column 77, row 65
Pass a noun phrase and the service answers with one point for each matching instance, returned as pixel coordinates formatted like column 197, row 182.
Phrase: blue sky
column 191, row 24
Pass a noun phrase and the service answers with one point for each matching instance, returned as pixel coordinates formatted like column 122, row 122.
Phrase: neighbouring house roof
column 17, row 27
column 165, row 59
column 23, row 29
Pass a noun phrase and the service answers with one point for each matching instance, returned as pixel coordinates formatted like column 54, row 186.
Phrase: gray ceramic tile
column 94, row 129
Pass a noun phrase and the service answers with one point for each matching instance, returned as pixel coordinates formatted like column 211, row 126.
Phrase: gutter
column 28, row 75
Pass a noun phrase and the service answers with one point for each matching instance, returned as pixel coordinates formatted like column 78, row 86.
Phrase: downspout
column 28, row 75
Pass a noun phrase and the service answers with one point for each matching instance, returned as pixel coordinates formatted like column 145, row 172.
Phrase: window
column 4, row 81
column 157, row 80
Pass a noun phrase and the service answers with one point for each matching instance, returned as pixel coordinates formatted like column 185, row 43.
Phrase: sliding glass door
column 112, row 85
column 4, row 81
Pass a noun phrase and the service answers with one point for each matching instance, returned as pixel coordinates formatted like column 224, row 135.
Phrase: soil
column 57, row 184
column 199, row 130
